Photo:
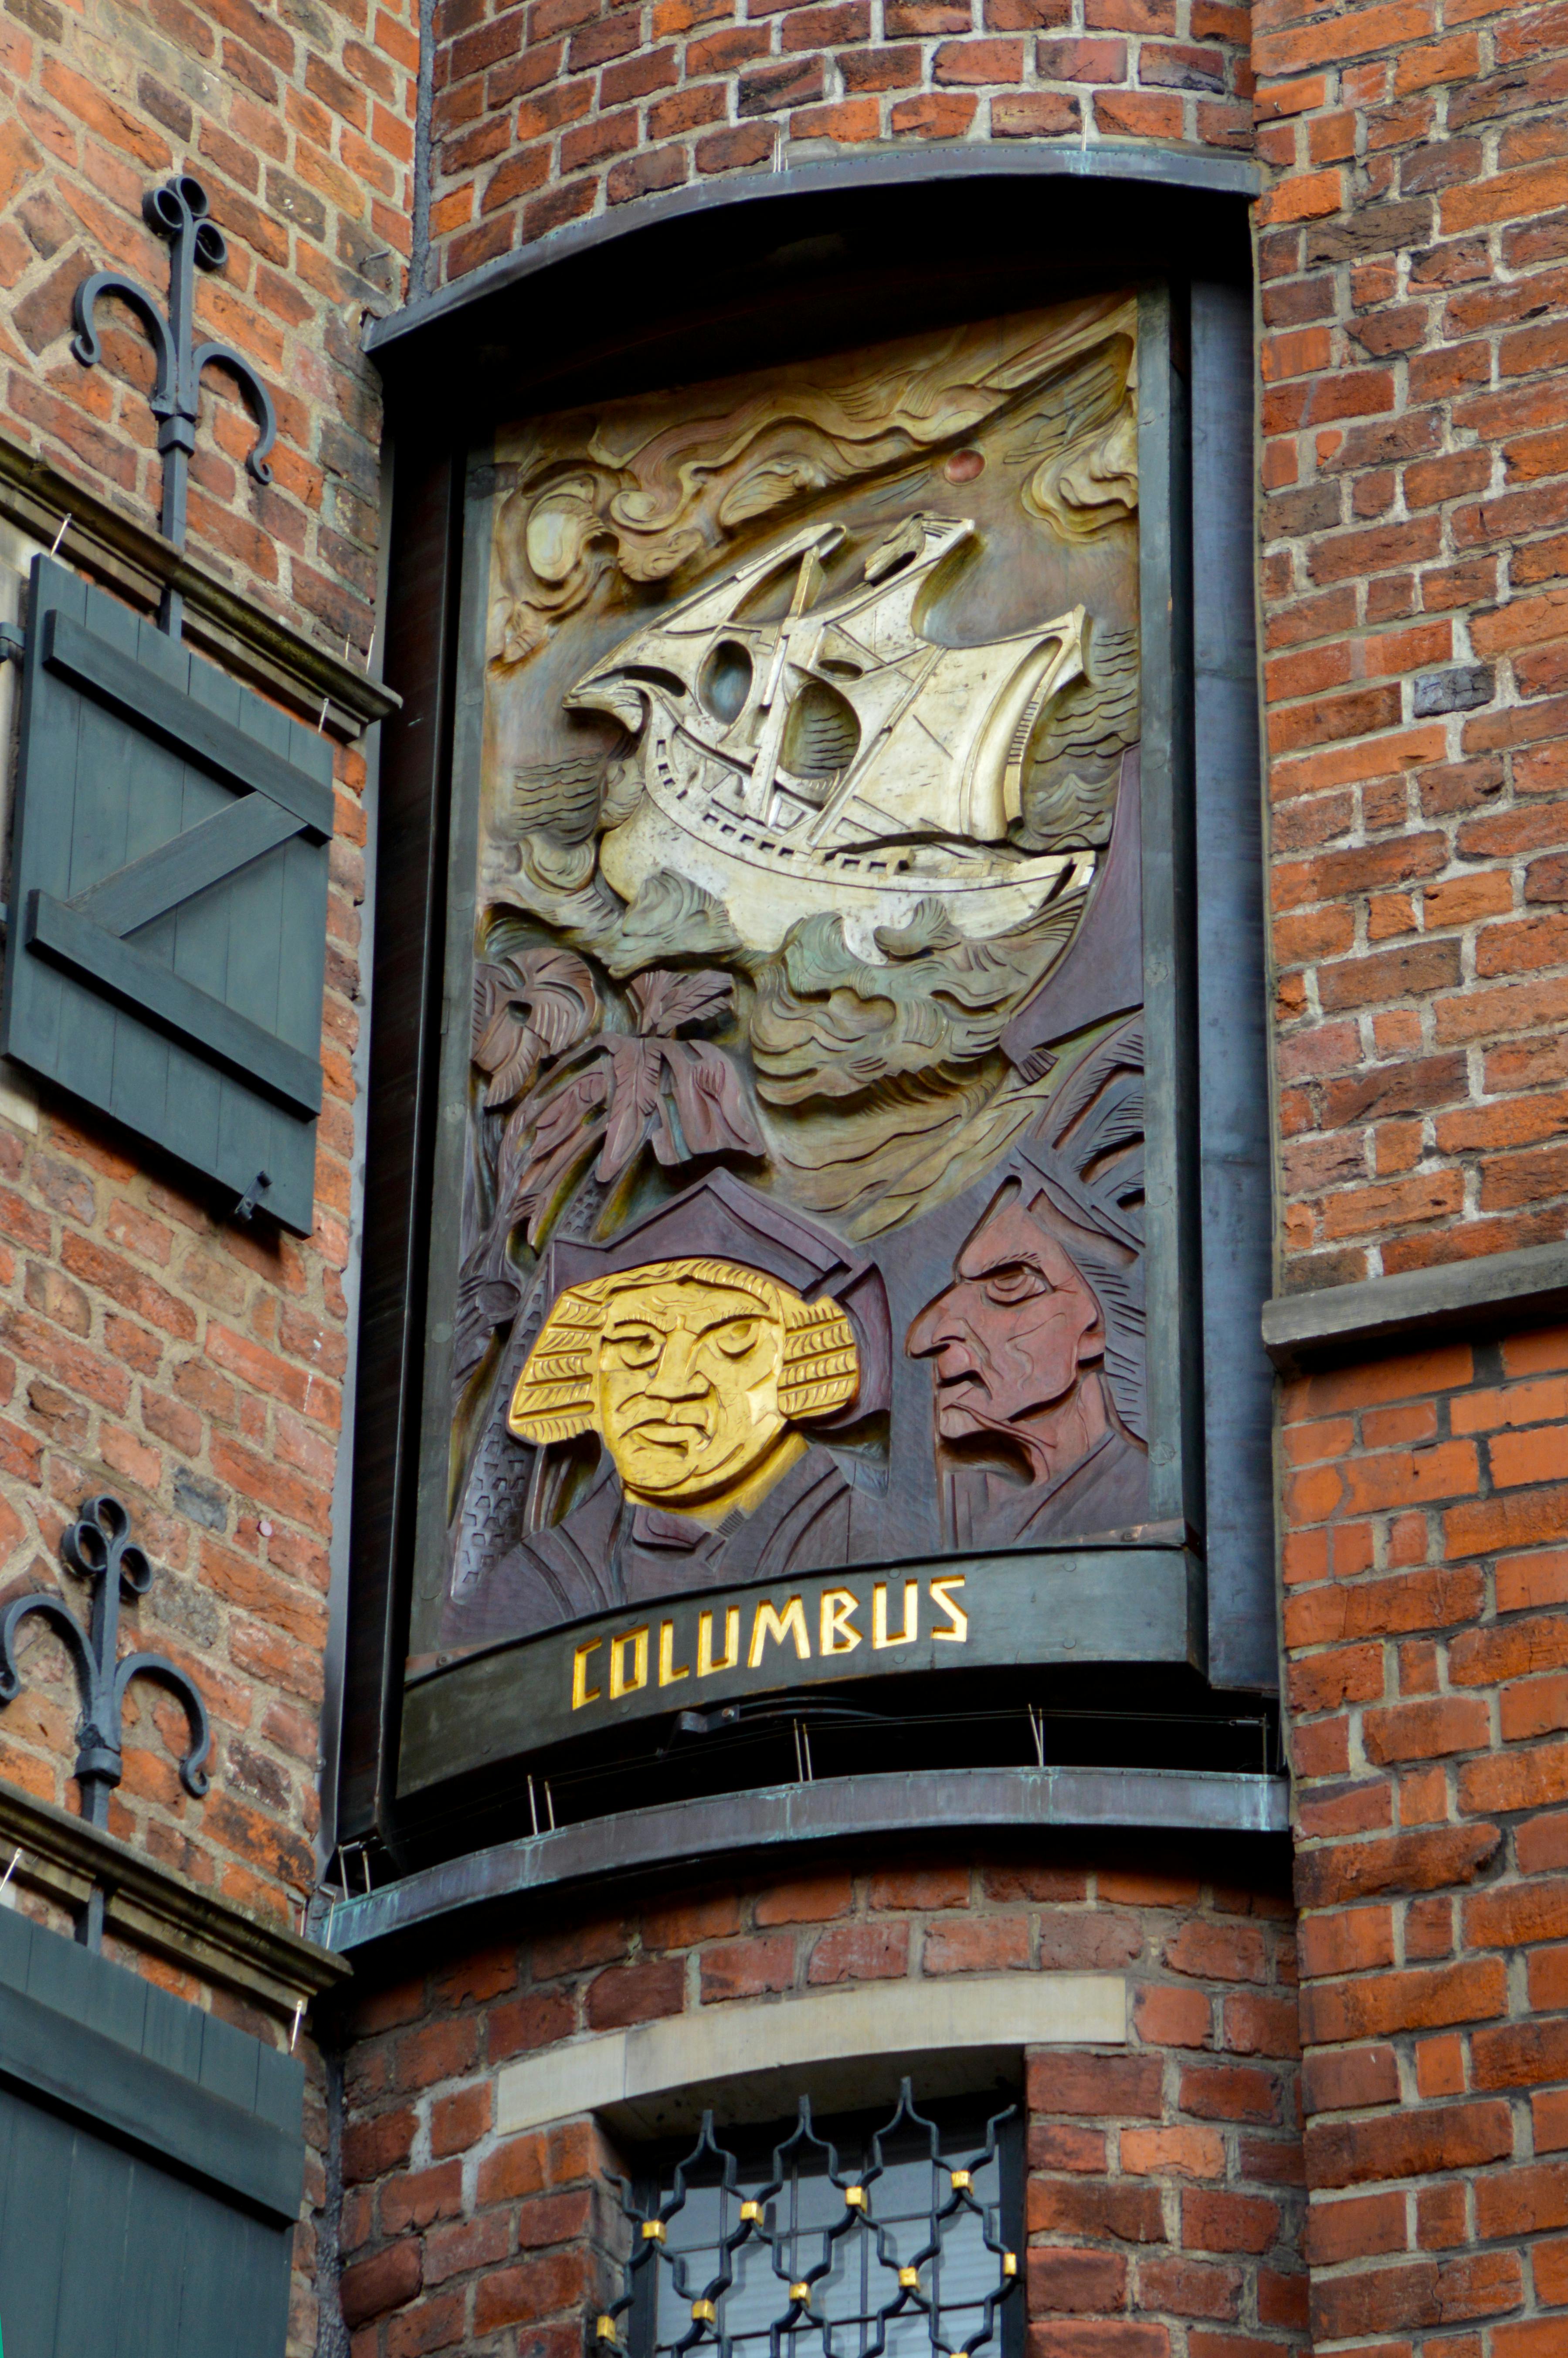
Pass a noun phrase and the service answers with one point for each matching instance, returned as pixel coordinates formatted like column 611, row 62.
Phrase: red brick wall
column 299, row 124
column 194, row 1371
column 547, row 110
column 147, row 1345
column 1416, row 478
column 1427, row 1648
column 1162, row 2203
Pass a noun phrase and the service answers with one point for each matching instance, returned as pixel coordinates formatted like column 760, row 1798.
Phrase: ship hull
column 767, row 885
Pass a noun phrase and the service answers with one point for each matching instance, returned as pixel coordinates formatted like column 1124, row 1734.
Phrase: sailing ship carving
column 836, row 759
column 808, row 963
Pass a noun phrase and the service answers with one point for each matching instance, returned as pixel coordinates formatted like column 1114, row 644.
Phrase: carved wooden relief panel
column 802, row 1215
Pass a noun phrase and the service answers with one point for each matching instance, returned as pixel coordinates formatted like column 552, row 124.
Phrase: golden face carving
column 695, row 1374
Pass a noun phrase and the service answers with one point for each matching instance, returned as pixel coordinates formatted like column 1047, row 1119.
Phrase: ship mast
column 799, row 636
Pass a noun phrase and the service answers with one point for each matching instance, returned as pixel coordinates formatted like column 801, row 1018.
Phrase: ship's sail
column 839, row 746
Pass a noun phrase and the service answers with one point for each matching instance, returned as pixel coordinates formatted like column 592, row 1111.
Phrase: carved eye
column 636, row 1347
column 1015, row 1280
column 736, row 1338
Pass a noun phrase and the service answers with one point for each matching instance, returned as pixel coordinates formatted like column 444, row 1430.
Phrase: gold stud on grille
column 801, row 2292
column 704, row 2313
column 652, row 2231
column 751, row 2211
column 909, row 2279
column 604, row 2328
column 960, row 2180
column 1010, row 2264
column 855, row 2196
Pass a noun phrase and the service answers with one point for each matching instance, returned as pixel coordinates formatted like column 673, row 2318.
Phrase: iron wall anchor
column 177, row 212
column 99, row 1550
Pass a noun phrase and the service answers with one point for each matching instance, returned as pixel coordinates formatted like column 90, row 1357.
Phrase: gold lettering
column 705, row 1665
column 960, row 1631
column 769, row 1623
column 838, row 1634
column 620, row 1684
column 581, row 1692
column 910, row 1629
column 668, row 1673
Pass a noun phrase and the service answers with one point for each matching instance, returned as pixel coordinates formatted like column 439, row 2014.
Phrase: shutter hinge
column 12, row 642
column 252, row 1197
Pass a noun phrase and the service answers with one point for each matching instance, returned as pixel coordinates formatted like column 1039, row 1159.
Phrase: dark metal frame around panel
column 1170, row 1255
column 1029, row 170
column 406, row 1006
column 452, row 1082
column 1236, row 1165
column 1062, row 1606
column 1211, row 1170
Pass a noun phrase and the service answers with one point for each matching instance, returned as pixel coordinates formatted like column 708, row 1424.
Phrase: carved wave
column 630, row 490
column 829, row 1025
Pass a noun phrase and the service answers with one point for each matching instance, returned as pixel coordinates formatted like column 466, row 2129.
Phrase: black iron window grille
column 851, row 2246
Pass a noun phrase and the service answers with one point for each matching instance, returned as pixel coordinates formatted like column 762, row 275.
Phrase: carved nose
column 938, row 1328
column 676, row 1377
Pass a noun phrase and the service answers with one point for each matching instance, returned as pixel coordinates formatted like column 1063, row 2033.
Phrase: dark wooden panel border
column 212, row 2101
column 145, row 2105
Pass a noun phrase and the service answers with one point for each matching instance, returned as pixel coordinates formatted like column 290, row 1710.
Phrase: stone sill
column 1493, row 1294
column 150, row 1907
column 697, row 1836
column 247, row 641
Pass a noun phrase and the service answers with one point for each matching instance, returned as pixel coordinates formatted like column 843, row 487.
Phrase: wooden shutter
column 168, row 896
column 151, row 2163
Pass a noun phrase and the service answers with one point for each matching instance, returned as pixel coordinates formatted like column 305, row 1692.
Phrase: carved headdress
column 1090, row 1153
column 830, row 1302
column 553, row 1399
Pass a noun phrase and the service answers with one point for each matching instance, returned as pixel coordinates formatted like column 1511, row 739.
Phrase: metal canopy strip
column 918, row 1802
column 1135, row 162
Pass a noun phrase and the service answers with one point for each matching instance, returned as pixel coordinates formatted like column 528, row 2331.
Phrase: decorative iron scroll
column 898, row 2263
column 177, row 212
column 99, row 1549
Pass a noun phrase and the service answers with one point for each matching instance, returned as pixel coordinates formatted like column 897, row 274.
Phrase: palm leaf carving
column 526, row 1008
column 616, row 1092
column 651, row 1087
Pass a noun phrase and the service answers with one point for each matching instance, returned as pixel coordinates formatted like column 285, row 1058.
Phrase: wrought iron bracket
column 99, row 1550
column 177, row 212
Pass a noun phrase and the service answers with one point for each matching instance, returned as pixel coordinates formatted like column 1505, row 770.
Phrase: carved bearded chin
column 688, row 1390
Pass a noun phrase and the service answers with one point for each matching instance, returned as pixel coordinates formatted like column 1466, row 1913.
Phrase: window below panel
column 854, row 2236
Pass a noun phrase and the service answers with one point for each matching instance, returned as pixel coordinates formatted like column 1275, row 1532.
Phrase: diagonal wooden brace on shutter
column 87, row 933
column 169, row 870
